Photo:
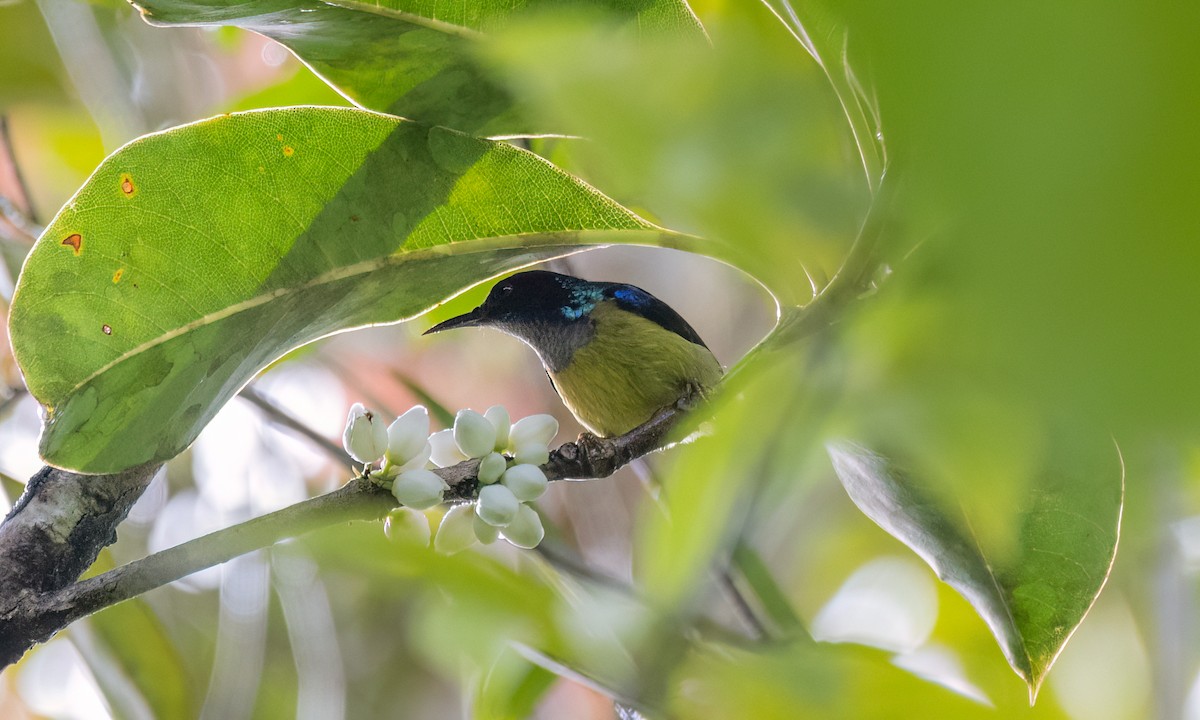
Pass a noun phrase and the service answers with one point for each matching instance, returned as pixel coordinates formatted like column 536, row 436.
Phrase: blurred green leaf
column 163, row 286
column 1032, row 596
column 807, row 680
column 414, row 58
column 128, row 641
column 1054, row 192
column 511, row 689
column 30, row 68
column 742, row 142
column 826, row 40
column 711, row 489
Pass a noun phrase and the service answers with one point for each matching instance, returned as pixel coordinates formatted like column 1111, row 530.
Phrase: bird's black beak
column 474, row 318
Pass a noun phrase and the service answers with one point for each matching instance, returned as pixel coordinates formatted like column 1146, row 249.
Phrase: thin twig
column 282, row 417
column 22, row 199
column 14, row 396
column 743, row 607
column 360, row 499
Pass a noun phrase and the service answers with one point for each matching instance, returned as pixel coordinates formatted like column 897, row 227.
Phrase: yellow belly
column 630, row 370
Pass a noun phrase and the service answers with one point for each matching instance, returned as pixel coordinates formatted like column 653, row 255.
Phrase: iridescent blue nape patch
column 583, row 299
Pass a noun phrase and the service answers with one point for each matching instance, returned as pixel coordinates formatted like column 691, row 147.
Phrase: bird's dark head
column 530, row 299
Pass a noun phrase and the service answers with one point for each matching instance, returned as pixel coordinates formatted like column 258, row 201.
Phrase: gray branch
column 63, row 520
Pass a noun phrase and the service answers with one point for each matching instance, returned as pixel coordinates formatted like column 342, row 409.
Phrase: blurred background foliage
column 1041, row 289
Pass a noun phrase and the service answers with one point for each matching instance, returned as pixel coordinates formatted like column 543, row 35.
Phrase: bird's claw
column 693, row 393
column 594, row 451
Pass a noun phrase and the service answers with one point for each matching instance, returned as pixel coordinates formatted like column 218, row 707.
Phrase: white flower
column 498, row 417
column 532, row 453
column 419, row 489
column 526, row 482
column 418, row 461
column 533, row 429
column 407, row 435
column 525, row 531
column 474, row 434
column 445, row 450
column 365, row 437
column 407, row 526
column 497, row 505
column 485, row 533
column 491, row 467
column 457, row 531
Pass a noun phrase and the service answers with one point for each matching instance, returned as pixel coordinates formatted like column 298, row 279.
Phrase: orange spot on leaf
column 75, row 242
column 106, row 329
column 117, row 275
column 288, row 151
column 127, row 185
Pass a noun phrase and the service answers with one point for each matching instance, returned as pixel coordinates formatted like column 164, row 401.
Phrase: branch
column 13, row 187
column 52, row 534
column 39, row 603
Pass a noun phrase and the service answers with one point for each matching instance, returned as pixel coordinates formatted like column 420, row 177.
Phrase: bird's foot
column 595, row 452
column 693, row 394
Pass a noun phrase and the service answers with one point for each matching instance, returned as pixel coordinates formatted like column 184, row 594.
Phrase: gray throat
column 555, row 343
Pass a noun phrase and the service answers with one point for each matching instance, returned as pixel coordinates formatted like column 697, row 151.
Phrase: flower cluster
column 509, row 474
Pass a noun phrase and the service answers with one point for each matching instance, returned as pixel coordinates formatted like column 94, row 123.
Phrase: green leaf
column 415, row 58
column 192, row 258
column 1033, row 594
column 511, row 689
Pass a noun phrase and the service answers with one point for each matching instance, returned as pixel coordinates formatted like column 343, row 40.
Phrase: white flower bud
column 485, row 533
column 533, row 429
column 497, row 505
column 527, row 482
column 407, row 435
column 473, row 433
column 419, row 489
column 532, row 454
column 525, row 531
column 365, row 437
column 497, row 415
column 445, row 450
column 418, row 461
column 491, row 467
column 406, row 526
column 457, row 531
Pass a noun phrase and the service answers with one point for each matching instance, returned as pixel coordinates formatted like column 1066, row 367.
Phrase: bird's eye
column 506, row 290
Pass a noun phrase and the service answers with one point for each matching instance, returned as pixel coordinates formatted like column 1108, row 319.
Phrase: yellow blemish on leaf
column 75, row 242
column 279, row 137
column 127, row 186
column 117, row 275
column 288, row 151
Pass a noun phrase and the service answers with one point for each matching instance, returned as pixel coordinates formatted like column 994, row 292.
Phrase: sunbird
column 614, row 353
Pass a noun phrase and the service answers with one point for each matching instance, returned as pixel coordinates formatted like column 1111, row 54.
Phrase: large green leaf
column 415, row 58
column 1032, row 594
column 193, row 257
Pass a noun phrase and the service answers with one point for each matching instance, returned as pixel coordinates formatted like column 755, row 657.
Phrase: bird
column 614, row 353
